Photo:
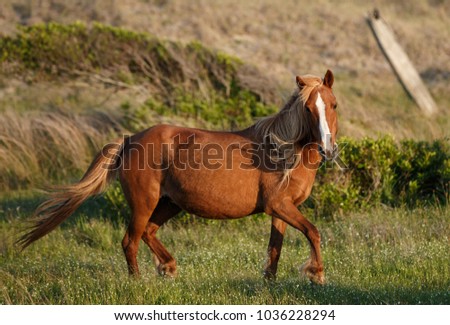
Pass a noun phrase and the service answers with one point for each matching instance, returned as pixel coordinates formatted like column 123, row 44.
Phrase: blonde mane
column 284, row 132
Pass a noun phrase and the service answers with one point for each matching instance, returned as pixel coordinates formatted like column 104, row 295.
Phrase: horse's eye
column 335, row 106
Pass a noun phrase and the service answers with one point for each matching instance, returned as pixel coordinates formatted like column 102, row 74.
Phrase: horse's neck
column 309, row 161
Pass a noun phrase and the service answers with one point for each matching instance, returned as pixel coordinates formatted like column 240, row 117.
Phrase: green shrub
column 115, row 206
column 165, row 67
column 422, row 172
column 380, row 171
column 219, row 111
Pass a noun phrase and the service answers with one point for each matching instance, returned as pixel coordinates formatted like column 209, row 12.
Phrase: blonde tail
column 66, row 199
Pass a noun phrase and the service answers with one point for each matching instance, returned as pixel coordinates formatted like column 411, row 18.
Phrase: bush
column 220, row 112
column 380, row 171
column 422, row 172
column 164, row 67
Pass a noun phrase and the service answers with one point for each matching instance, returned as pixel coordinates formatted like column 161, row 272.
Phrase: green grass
column 394, row 256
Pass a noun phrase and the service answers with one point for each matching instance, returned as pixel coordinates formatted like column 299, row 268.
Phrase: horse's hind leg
column 130, row 243
column 166, row 209
column 142, row 206
column 274, row 249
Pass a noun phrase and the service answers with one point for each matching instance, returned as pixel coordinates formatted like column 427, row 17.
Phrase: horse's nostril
column 321, row 151
column 327, row 154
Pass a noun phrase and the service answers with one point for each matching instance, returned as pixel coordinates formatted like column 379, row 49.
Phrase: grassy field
column 382, row 256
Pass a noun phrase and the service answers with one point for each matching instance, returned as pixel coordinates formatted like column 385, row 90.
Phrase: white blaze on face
column 323, row 124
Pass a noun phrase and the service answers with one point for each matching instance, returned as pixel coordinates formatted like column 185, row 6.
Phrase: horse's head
column 321, row 102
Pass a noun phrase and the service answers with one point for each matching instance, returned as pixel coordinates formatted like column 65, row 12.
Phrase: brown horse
column 269, row 167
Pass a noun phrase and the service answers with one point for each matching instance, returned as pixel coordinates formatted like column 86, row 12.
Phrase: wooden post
column 401, row 64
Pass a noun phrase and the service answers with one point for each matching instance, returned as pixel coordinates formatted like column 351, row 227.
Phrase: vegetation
column 382, row 257
column 374, row 172
column 281, row 39
column 54, row 50
column 39, row 148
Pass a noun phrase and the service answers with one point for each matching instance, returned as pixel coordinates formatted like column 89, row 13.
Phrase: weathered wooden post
column 401, row 64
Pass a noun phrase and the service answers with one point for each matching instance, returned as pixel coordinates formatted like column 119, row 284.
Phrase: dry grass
column 39, row 148
column 42, row 147
column 285, row 38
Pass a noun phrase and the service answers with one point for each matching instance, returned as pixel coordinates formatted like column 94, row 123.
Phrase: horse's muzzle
column 329, row 154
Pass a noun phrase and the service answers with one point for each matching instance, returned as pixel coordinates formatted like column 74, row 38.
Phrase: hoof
column 313, row 273
column 269, row 276
column 167, row 270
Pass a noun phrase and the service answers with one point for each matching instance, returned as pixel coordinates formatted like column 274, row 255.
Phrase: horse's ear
column 328, row 80
column 300, row 82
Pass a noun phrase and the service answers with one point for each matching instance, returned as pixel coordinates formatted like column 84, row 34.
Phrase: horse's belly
column 218, row 195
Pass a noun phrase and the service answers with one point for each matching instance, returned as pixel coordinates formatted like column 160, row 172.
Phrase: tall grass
column 47, row 147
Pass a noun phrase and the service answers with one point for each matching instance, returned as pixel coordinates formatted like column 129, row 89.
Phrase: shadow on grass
column 17, row 211
column 21, row 206
column 295, row 291
column 18, row 204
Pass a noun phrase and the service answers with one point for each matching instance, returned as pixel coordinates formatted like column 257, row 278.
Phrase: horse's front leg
column 288, row 212
column 274, row 249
